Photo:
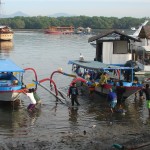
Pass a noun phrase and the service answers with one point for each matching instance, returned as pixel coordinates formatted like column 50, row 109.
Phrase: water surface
column 55, row 125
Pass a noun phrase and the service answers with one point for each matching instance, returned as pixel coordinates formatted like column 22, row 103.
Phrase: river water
column 55, row 125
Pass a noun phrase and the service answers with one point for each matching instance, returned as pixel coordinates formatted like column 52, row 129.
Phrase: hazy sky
column 108, row 8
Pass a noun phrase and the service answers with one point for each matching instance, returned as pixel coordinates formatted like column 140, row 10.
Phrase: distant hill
column 18, row 13
column 61, row 15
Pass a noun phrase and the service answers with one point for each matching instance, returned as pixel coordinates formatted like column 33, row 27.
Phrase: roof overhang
column 7, row 65
column 112, row 33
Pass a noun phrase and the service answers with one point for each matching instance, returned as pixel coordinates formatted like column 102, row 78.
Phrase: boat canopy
column 96, row 65
column 6, row 65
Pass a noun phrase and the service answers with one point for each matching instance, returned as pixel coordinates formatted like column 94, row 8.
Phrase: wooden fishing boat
column 12, row 85
column 115, row 73
column 6, row 33
column 10, row 80
column 59, row 30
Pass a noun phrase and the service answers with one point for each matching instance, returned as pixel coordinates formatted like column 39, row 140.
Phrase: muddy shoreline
column 94, row 139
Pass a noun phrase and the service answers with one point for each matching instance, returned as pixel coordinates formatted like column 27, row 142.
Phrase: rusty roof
column 145, row 32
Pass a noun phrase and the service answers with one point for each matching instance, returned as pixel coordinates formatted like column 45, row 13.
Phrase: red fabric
column 107, row 86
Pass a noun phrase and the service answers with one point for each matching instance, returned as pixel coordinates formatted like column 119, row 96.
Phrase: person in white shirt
column 33, row 101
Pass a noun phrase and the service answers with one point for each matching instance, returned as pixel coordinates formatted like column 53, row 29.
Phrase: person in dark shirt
column 73, row 93
column 120, row 90
column 146, row 90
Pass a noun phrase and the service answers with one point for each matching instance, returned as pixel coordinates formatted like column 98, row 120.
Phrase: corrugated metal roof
column 7, row 65
column 111, row 32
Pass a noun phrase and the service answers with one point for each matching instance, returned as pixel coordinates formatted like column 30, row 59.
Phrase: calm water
column 56, row 123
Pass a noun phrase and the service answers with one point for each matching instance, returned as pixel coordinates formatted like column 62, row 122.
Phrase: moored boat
column 59, row 30
column 116, row 74
column 11, row 81
column 6, row 33
column 133, row 28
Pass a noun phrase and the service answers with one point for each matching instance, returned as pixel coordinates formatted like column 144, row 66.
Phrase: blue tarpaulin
column 6, row 65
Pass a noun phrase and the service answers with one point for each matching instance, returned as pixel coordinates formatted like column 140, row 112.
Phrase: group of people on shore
column 115, row 95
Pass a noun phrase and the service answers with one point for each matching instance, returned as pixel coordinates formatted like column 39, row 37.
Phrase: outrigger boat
column 10, row 84
column 116, row 74
column 11, row 81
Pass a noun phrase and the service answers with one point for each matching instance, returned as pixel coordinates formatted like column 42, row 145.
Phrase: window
column 120, row 47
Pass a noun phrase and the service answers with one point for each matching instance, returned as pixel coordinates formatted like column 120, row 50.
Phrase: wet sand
column 89, row 127
column 70, row 141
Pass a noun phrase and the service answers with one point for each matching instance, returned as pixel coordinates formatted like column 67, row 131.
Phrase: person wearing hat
column 73, row 94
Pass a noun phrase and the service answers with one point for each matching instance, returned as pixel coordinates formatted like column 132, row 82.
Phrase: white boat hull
column 9, row 96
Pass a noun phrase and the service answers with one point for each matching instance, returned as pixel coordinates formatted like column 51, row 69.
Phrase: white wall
column 146, row 68
column 110, row 58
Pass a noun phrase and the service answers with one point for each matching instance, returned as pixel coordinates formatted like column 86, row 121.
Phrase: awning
column 7, row 65
column 96, row 65
column 146, row 48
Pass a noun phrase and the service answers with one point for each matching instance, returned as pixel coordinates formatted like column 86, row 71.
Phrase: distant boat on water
column 6, row 33
column 133, row 28
column 81, row 30
column 59, row 30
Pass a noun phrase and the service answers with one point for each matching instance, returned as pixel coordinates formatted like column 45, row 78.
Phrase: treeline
column 43, row 22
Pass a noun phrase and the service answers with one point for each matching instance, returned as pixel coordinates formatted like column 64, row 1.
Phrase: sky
column 107, row 8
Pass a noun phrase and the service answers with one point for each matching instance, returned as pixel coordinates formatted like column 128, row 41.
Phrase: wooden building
column 113, row 47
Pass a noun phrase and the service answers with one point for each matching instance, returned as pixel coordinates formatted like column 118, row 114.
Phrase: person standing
column 73, row 93
column 147, row 93
column 103, row 80
column 120, row 90
column 112, row 99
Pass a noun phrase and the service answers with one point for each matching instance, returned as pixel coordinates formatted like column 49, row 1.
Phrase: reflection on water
column 15, row 120
column 73, row 114
column 5, row 47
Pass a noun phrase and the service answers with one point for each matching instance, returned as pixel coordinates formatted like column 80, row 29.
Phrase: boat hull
column 6, row 36
column 9, row 96
column 58, row 32
column 104, row 91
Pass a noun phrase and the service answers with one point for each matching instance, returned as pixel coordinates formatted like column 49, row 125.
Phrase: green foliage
column 95, row 22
